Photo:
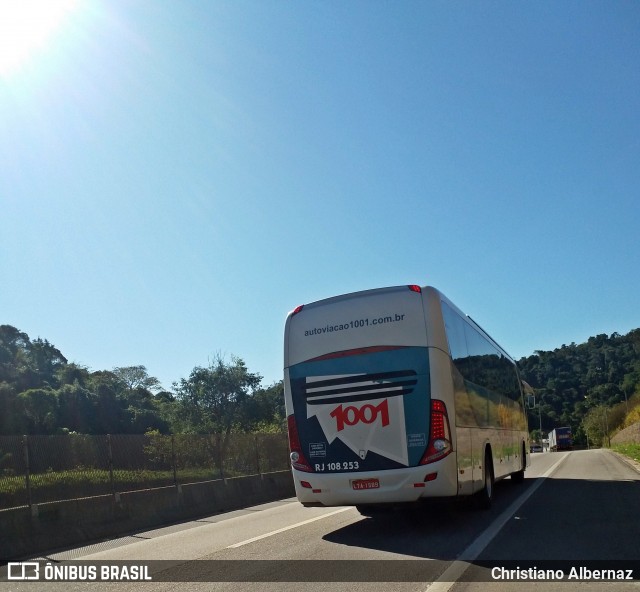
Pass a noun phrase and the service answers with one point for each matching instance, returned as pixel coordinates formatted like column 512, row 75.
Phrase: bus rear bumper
column 377, row 487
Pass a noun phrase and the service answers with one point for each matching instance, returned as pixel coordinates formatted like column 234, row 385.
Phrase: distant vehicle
column 560, row 439
column 394, row 395
column 536, row 448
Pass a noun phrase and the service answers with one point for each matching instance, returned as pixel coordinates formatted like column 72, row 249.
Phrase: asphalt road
column 573, row 508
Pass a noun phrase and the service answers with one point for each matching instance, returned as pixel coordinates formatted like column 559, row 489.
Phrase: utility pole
column 540, row 420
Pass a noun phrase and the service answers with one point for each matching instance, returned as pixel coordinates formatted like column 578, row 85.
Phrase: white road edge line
column 454, row 572
column 264, row 536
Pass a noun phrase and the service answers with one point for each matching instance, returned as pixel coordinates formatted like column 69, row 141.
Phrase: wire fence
column 39, row 469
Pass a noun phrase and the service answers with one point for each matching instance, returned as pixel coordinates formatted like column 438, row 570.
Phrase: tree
column 10, row 420
column 46, row 359
column 596, row 425
column 536, row 436
column 76, row 409
column 215, row 400
column 266, row 409
column 134, row 377
column 39, row 406
column 72, row 373
column 109, row 410
column 15, row 359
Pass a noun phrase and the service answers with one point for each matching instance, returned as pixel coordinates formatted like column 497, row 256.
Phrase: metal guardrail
column 39, row 469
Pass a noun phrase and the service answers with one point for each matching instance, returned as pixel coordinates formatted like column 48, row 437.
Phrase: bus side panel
column 464, row 453
column 442, row 389
column 504, row 457
column 451, row 390
column 437, row 336
column 288, row 401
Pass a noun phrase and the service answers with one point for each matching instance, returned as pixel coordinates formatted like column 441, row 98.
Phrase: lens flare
column 26, row 26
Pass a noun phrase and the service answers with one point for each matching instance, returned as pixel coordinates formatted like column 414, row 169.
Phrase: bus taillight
column 298, row 461
column 439, row 434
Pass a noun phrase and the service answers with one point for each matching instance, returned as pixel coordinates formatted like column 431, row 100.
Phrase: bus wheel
column 485, row 496
column 519, row 476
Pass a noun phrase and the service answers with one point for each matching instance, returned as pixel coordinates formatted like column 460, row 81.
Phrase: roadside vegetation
column 42, row 393
column 594, row 387
column 632, row 450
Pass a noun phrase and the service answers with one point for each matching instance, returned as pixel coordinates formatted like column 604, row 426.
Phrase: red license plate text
column 365, row 484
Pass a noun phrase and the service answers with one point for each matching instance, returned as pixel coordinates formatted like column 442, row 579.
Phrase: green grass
column 60, row 485
column 630, row 450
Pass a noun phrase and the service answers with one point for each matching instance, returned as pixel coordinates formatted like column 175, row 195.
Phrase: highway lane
column 585, row 508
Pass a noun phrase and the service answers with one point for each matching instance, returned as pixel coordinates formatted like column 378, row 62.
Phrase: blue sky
column 177, row 176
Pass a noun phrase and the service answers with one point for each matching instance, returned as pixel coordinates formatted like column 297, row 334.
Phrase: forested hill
column 573, row 380
column 41, row 392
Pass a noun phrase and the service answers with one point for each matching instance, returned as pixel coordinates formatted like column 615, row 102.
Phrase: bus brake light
column 439, row 434
column 298, row 460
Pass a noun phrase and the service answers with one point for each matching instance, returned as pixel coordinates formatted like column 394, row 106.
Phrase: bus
column 394, row 396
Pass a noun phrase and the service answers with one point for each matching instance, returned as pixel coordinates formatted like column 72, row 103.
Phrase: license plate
column 365, row 484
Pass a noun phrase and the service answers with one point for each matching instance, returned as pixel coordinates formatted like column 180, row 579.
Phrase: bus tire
column 518, row 477
column 485, row 496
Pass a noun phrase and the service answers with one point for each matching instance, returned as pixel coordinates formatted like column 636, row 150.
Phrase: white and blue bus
column 394, row 395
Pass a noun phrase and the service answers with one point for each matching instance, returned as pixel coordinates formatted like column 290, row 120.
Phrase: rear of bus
column 363, row 426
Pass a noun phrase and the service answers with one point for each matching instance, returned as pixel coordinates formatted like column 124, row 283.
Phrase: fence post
column 258, row 456
column 173, row 460
column 220, row 458
column 27, row 476
column 110, row 454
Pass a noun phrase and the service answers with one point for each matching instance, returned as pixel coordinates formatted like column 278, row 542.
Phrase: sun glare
column 25, row 28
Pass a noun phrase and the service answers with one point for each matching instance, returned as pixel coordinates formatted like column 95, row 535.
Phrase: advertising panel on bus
column 359, row 381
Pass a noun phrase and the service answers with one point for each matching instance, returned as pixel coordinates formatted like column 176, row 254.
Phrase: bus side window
column 454, row 327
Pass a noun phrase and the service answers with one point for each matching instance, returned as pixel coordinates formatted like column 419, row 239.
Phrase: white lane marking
column 264, row 536
column 450, row 575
